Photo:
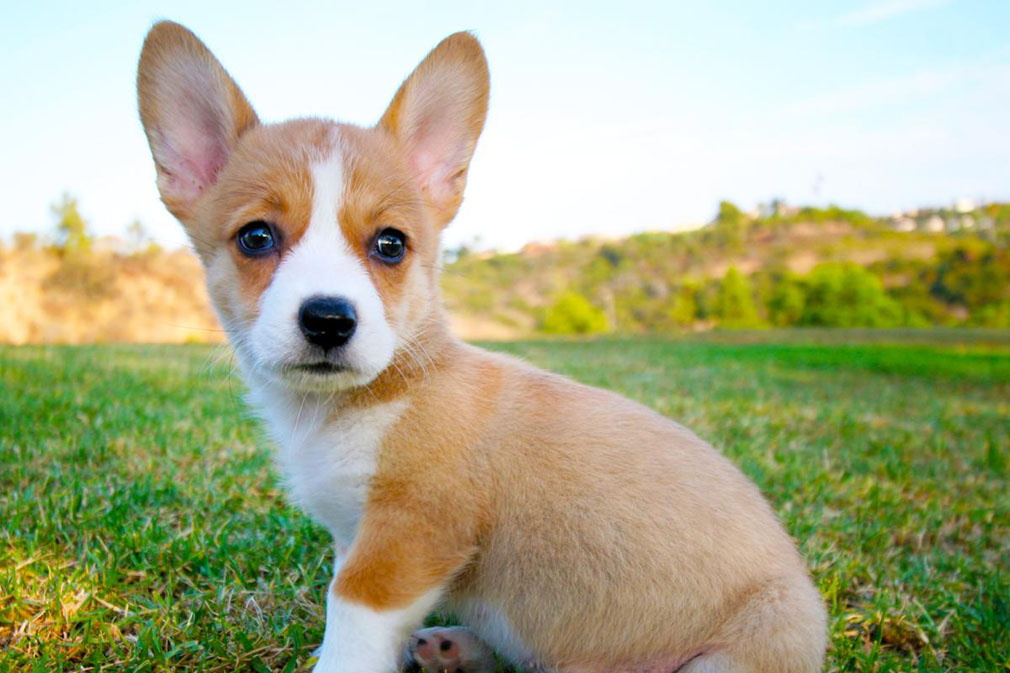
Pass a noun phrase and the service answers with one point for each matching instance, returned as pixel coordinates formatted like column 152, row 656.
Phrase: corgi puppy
column 568, row 528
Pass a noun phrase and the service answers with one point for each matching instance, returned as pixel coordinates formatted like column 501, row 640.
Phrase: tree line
column 740, row 271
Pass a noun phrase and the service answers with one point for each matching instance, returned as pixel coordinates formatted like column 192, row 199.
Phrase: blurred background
column 646, row 167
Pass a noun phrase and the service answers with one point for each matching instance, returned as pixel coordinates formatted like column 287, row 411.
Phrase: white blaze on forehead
column 327, row 192
column 323, row 263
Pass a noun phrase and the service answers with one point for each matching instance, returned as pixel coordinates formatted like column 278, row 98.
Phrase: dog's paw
column 448, row 649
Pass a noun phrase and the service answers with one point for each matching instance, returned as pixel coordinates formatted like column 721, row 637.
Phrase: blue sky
column 605, row 117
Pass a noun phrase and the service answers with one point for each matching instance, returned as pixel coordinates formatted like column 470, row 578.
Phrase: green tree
column 735, row 301
column 974, row 274
column 573, row 314
column 785, row 305
column 730, row 226
column 847, row 295
column 78, row 272
column 992, row 315
column 685, row 305
column 71, row 229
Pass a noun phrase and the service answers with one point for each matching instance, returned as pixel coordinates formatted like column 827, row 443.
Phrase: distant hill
column 783, row 266
column 788, row 266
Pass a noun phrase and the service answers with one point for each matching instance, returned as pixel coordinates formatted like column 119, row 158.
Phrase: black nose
column 327, row 321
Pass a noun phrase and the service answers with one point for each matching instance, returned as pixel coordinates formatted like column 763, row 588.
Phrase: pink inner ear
column 436, row 159
column 191, row 152
column 189, row 168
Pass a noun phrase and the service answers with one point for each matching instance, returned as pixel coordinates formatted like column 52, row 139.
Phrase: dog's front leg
column 394, row 574
column 364, row 638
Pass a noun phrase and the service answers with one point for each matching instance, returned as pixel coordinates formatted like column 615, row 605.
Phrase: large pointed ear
column 192, row 111
column 437, row 116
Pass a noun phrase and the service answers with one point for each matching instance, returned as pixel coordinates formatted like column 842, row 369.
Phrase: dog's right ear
column 437, row 116
column 192, row 111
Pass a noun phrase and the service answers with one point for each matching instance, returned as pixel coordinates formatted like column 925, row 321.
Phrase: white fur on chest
column 328, row 458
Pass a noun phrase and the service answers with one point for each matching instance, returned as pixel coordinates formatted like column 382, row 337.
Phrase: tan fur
column 612, row 538
column 610, row 535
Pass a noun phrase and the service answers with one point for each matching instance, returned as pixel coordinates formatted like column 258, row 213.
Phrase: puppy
column 568, row 528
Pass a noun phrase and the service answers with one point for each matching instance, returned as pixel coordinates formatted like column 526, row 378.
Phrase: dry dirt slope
column 104, row 297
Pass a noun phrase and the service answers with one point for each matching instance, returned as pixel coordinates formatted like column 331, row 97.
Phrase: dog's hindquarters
column 780, row 629
column 623, row 540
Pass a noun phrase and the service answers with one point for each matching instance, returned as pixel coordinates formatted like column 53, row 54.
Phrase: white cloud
column 925, row 86
column 888, row 9
column 875, row 12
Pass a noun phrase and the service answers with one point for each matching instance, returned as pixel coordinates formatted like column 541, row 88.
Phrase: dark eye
column 256, row 238
column 390, row 245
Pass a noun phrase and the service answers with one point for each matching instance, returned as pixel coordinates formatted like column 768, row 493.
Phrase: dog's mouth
column 320, row 374
column 321, row 368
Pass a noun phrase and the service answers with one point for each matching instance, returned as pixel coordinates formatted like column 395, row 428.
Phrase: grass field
column 142, row 526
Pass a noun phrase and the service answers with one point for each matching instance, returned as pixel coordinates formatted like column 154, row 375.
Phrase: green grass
column 142, row 526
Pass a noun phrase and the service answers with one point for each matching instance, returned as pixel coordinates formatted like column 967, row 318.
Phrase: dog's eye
column 390, row 245
column 256, row 238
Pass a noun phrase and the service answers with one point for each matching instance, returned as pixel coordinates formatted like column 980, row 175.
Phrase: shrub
column 735, row 302
column 992, row 315
column 573, row 314
column 25, row 241
column 847, row 295
column 973, row 274
column 787, row 301
column 82, row 275
column 685, row 305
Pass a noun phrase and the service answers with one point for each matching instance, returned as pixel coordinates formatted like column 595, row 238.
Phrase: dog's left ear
column 437, row 116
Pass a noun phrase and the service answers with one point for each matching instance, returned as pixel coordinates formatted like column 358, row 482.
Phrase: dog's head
column 320, row 240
